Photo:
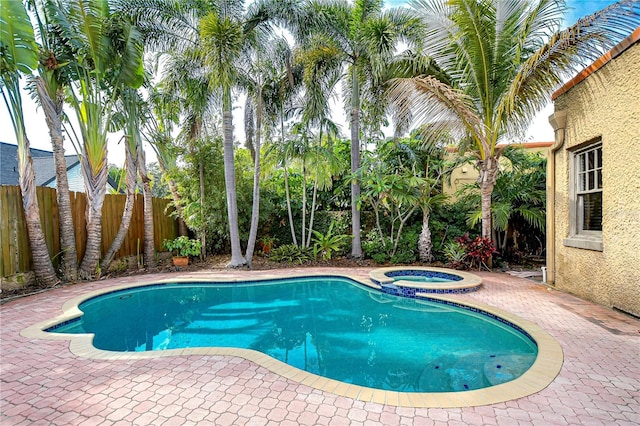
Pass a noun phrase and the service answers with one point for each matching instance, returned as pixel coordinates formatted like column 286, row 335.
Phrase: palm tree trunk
column 203, row 231
column 149, row 252
column 487, row 179
column 425, row 245
column 313, row 209
column 230, row 183
column 315, row 193
column 131, row 175
column 53, row 115
column 96, row 187
column 42, row 267
column 255, row 210
column 356, row 245
column 286, row 185
column 304, row 204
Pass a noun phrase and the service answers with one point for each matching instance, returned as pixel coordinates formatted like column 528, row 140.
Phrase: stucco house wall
column 601, row 102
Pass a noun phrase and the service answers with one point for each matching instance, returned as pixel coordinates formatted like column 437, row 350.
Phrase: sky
column 540, row 129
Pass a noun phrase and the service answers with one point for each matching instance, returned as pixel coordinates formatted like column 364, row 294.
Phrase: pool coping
column 543, row 371
column 469, row 282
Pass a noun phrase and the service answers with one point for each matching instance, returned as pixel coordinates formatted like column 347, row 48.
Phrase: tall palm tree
column 131, row 123
column 50, row 87
column 158, row 128
column 226, row 32
column 322, row 73
column 19, row 55
column 170, row 29
column 363, row 37
column 279, row 94
column 107, row 58
column 500, row 60
column 261, row 70
column 224, row 38
column 219, row 30
column 149, row 251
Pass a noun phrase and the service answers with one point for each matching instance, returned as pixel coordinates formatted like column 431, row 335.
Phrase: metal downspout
column 558, row 121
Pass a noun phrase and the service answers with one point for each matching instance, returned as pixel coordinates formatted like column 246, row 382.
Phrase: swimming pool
column 328, row 326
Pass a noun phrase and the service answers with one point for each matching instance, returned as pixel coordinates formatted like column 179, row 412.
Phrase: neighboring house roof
column 9, row 174
column 632, row 39
column 525, row 145
column 528, row 145
column 44, row 168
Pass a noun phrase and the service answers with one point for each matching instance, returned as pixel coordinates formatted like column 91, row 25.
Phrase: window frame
column 579, row 237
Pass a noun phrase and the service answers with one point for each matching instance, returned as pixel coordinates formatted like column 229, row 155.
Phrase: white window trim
column 579, row 238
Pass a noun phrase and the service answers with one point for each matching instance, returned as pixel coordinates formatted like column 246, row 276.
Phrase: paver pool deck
column 43, row 383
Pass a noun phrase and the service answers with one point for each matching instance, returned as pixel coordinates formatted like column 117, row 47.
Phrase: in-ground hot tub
column 407, row 281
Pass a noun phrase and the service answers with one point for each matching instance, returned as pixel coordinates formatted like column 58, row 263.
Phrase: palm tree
column 50, row 87
column 279, row 94
column 19, row 55
column 149, row 250
column 261, row 72
column 518, row 196
column 219, row 31
column 499, row 61
column 226, row 32
column 435, row 168
column 224, row 38
column 158, row 127
column 363, row 37
column 186, row 81
column 322, row 73
column 171, row 31
column 107, row 57
column 131, row 122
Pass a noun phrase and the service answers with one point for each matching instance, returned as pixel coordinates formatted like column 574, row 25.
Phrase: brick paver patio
column 43, row 383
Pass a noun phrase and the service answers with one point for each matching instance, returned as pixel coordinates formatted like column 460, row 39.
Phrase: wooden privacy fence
column 14, row 244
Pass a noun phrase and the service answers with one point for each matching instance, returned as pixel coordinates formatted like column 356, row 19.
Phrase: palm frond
column 565, row 53
column 431, row 101
column 534, row 217
column 18, row 50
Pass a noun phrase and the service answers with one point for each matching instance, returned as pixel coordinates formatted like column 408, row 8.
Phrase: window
column 586, row 197
column 589, row 190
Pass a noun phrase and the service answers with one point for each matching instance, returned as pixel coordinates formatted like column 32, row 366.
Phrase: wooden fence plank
column 16, row 253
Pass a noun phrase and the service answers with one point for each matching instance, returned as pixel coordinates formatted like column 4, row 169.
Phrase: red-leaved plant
column 478, row 250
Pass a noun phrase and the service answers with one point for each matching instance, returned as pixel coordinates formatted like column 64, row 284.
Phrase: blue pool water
column 422, row 275
column 330, row 326
column 421, row 279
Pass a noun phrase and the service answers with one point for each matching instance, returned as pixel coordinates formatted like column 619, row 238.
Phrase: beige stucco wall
column 606, row 104
column 467, row 174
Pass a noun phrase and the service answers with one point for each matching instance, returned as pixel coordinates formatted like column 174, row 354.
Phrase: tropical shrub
column 290, row 253
column 478, row 251
column 448, row 222
column 455, row 254
column 328, row 243
column 209, row 216
column 518, row 203
column 374, row 247
column 407, row 251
